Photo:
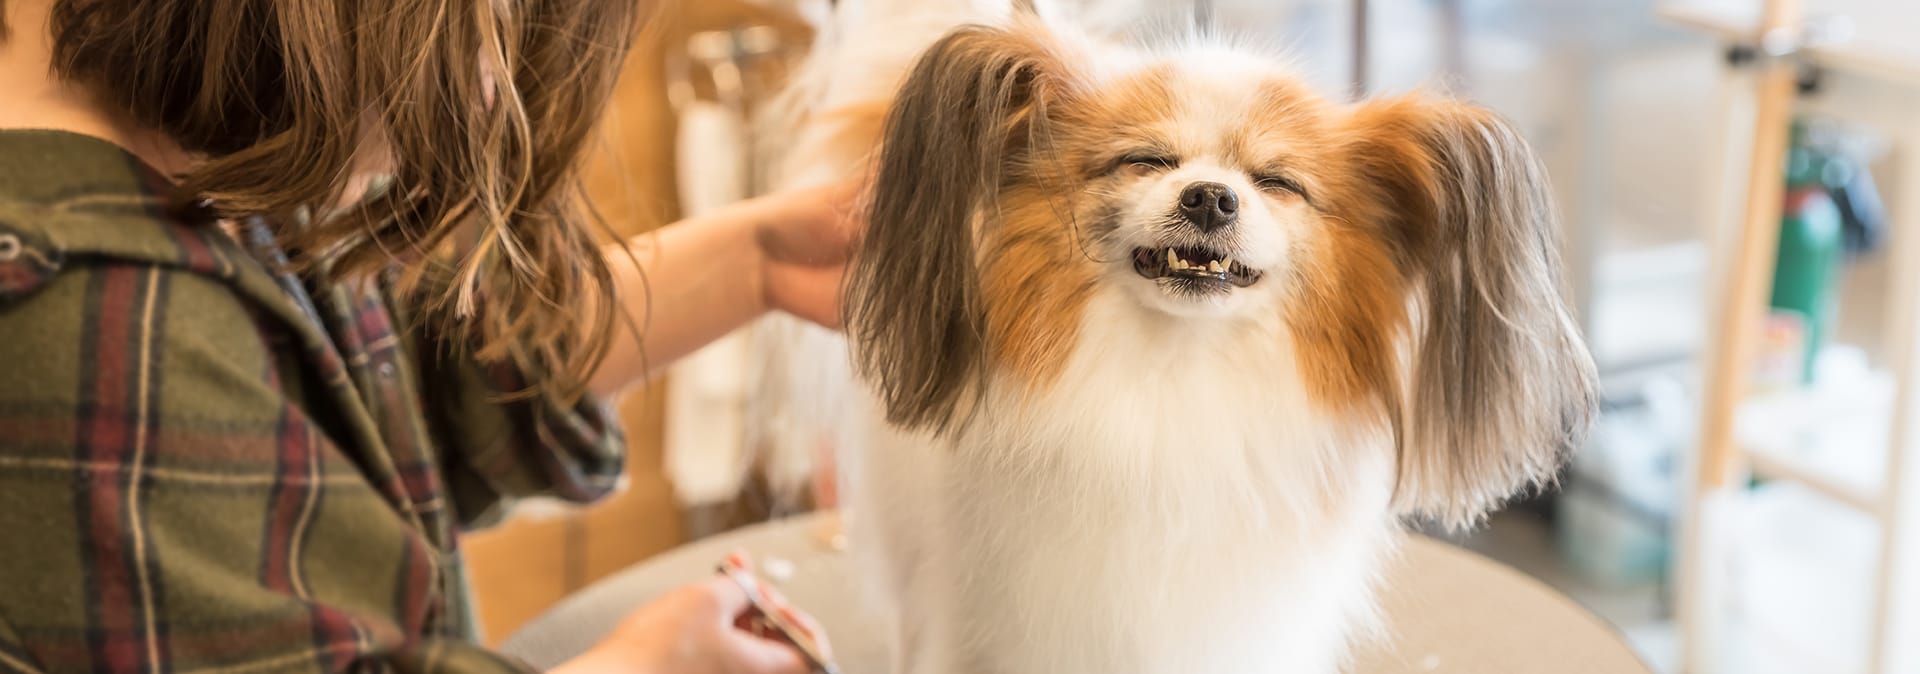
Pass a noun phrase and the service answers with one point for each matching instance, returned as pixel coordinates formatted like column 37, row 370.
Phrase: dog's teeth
column 1214, row 266
column 1227, row 264
column 1174, row 260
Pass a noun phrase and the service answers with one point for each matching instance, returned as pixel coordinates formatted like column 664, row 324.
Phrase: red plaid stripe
column 116, row 425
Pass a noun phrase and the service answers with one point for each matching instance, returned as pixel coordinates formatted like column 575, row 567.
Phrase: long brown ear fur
column 961, row 119
column 1500, row 386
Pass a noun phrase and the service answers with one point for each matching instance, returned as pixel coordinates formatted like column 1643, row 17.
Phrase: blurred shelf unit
column 1852, row 439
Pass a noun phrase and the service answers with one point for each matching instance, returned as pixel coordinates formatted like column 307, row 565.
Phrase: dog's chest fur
column 1171, row 503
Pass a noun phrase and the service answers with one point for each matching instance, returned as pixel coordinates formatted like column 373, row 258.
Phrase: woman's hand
column 805, row 237
column 696, row 629
column 695, row 280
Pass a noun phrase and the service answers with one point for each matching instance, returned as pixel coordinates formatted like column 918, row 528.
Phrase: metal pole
column 1453, row 57
column 1360, row 48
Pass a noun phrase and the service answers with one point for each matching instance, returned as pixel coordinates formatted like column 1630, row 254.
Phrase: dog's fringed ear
column 962, row 117
column 1501, row 387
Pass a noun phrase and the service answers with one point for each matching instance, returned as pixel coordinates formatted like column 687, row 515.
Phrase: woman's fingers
column 810, row 227
column 725, row 597
column 807, row 624
column 759, row 655
column 740, row 562
column 810, row 293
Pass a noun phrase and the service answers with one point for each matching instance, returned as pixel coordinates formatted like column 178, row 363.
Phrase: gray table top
column 1448, row 610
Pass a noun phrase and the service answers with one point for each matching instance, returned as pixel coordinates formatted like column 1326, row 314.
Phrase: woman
column 292, row 292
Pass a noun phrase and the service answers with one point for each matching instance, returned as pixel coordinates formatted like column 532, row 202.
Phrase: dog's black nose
column 1209, row 206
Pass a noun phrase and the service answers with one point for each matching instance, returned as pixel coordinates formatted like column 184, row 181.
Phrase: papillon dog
column 1162, row 347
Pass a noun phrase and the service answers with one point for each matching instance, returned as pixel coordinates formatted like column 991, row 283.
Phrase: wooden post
column 1744, row 310
column 1741, row 316
column 1897, row 601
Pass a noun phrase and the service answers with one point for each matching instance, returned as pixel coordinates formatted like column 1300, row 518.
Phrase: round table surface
column 1448, row 610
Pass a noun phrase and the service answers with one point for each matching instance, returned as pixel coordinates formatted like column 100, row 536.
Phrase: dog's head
column 1405, row 245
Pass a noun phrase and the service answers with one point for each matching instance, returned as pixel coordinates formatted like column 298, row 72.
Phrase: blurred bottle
column 1832, row 212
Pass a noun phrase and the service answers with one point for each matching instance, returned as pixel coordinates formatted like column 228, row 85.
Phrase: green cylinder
column 1805, row 271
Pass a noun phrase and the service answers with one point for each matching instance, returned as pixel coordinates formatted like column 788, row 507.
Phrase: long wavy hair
column 481, row 110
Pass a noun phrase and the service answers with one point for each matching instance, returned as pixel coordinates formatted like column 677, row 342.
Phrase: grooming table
column 1448, row 610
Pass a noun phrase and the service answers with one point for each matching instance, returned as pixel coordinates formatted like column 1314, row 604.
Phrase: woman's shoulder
column 69, row 199
column 93, row 260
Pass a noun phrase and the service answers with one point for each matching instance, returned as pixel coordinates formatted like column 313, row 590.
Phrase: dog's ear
column 962, row 118
column 1500, row 386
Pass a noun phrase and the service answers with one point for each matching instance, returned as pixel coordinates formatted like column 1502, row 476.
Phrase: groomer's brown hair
column 484, row 105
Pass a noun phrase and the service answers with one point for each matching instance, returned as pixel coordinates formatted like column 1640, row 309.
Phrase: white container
column 1803, row 579
column 1618, row 501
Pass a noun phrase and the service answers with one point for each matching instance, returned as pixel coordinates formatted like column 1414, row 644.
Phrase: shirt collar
column 78, row 194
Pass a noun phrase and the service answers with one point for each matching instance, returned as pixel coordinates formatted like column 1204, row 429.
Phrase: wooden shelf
column 1841, row 488
column 1883, row 41
column 1835, row 445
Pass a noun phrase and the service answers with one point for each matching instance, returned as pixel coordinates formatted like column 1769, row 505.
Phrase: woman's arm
column 700, row 278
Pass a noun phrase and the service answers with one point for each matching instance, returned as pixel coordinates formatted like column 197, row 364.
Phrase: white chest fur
column 1172, row 504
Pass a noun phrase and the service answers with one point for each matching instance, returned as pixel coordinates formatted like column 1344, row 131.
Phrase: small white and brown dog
column 1163, row 346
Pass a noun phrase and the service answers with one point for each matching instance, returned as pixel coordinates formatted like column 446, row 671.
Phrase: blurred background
column 1644, row 113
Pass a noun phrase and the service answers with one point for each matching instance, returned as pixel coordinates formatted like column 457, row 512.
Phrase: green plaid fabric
column 207, row 466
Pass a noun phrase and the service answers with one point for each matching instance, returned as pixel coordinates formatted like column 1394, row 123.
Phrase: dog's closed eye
column 1146, row 163
column 1274, row 183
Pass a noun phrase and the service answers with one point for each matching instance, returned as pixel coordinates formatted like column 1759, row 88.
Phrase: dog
column 1159, row 348
column 822, row 127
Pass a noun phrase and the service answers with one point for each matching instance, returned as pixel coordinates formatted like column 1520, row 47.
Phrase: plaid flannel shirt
column 207, row 466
